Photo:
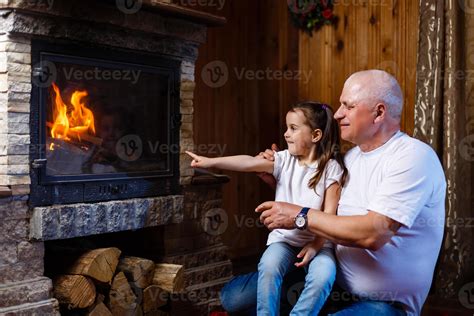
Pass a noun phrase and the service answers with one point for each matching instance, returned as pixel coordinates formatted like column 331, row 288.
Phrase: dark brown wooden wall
column 246, row 116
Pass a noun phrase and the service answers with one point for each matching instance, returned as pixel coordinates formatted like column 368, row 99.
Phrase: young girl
column 310, row 173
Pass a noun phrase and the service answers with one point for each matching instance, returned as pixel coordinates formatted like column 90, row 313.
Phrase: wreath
column 310, row 15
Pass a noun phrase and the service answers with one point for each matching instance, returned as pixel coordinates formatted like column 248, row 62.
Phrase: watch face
column 300, row 221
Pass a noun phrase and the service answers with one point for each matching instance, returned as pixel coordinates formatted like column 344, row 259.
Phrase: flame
column 74, row 124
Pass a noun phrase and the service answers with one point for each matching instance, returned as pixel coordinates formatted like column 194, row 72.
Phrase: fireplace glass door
column 106, row 119
column 105, row 116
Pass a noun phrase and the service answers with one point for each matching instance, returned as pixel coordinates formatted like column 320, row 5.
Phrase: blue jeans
column 277, row 260
column 239, row 297
column 240, row 294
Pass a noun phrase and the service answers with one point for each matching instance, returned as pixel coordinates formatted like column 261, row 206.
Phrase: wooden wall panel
column 370, row 34
column 223, row 115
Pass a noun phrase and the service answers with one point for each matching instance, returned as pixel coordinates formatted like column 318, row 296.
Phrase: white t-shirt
column 292, row 187
column 403, row 180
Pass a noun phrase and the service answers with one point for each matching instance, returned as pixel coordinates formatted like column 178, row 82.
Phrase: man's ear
column 380, row 112
column 317, row 135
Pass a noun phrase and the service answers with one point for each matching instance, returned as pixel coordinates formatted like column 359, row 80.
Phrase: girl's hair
column 320, row 116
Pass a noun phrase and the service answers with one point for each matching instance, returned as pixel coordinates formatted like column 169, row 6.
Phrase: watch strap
column 304, row 210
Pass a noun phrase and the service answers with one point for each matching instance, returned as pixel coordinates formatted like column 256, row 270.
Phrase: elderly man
column 390, row 220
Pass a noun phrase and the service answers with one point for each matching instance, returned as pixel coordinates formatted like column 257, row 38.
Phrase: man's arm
column 370, row 231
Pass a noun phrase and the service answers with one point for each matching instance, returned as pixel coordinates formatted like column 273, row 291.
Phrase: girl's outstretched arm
column 241, row 163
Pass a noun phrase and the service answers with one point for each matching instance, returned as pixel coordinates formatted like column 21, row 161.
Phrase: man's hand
column 278, row 214
column 199, row 161
column 268, row 154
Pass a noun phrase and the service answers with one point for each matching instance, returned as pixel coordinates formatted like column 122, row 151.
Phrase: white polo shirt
column 403, row 180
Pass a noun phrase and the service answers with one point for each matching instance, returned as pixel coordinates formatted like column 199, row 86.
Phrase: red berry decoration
column 310, row 15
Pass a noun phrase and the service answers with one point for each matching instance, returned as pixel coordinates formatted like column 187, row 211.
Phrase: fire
column 76, row 123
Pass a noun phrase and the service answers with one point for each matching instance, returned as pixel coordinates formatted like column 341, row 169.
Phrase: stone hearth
column 157, row 28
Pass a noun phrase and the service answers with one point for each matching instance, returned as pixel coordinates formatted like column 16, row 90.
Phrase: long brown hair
column 321, row 116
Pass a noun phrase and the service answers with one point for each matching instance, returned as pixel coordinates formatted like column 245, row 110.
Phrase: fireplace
column 105, row 124
column 96, row 111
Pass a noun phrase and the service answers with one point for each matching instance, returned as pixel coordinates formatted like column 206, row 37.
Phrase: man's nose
column 339, row 113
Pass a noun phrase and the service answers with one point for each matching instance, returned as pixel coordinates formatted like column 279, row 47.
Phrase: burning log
column 79, row 121
column 99, row 264
column 169, row 277
column 75, row 291
column 82, row 136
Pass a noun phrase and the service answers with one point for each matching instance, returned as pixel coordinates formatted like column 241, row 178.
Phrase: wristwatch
column 301, row 220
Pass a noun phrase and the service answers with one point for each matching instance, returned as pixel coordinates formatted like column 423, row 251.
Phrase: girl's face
column 298, row 134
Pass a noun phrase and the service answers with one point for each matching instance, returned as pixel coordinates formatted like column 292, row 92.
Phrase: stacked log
column 75, row 291
column 122, row 300
column 99, row 264
column 170, row 277
column 99, row 308
column 101, row 283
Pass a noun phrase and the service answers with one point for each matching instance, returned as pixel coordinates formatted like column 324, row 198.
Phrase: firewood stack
column 101, row 283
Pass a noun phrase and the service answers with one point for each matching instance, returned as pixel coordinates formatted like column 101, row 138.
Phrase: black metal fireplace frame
column 46, row 190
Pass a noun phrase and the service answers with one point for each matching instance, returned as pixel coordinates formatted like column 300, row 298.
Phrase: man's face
column 355, row 116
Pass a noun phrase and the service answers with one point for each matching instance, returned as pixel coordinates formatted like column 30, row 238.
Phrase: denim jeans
column 239, row 297
column 279, row 258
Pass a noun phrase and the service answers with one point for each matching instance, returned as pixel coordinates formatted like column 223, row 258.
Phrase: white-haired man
column 390, row 220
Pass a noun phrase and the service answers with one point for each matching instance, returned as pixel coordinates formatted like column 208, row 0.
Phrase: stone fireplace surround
column 158, row 29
